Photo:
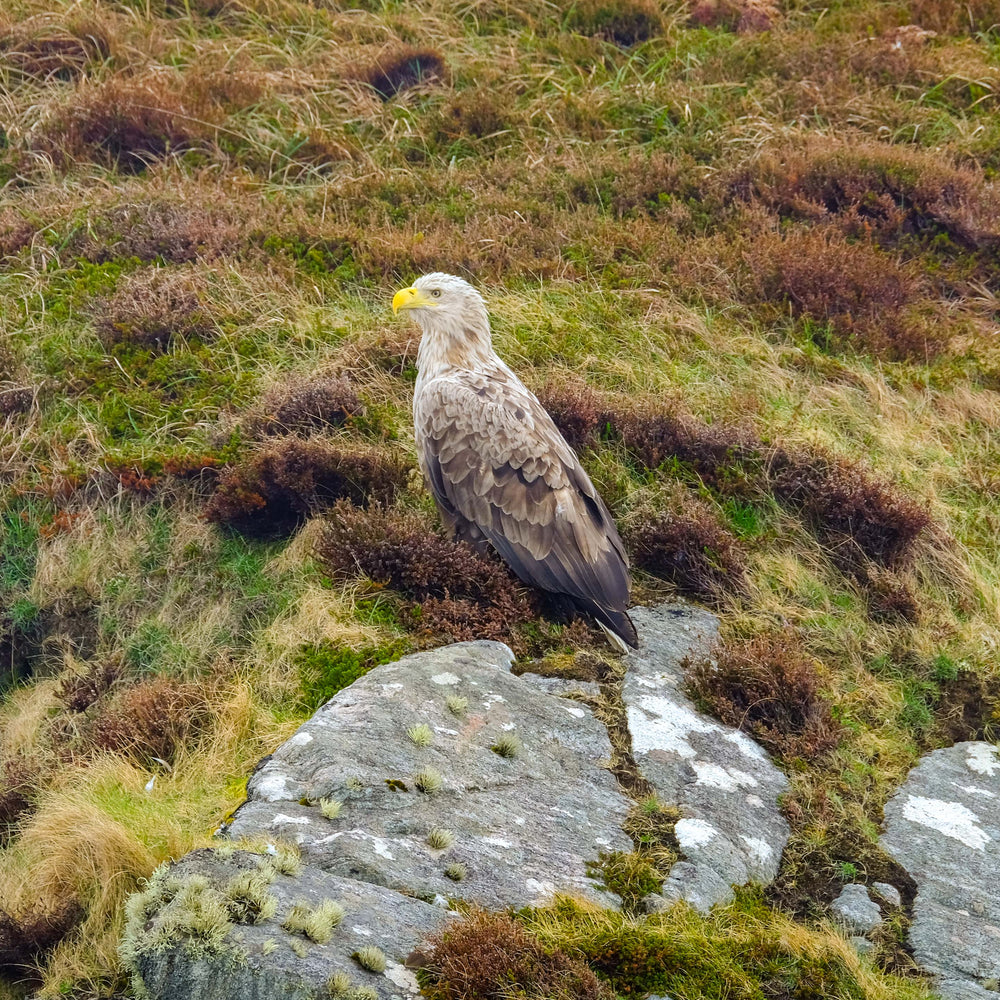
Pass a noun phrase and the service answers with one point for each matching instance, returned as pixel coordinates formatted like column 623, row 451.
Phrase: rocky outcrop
column 724, row 784
column 448, row 742
column 943, row 827
column 444, row 777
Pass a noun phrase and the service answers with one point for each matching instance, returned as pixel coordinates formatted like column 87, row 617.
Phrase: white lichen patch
column 756, row 801
column 662, row 724
column 496, row 841
column 983, row 759
column 727, row 779
column 445, row 678
column 974, row 790
column 745, row 745
column 692, row 833
column 949, row 818
column 759, row 851
column 402, row 977
column 272, row 786
column 544, row 890
column 300, row 739
column 281, row 819
column 577, row 713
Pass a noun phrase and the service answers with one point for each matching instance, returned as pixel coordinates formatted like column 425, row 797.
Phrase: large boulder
column 522, row 794
column 724, row 784
column 943, row 827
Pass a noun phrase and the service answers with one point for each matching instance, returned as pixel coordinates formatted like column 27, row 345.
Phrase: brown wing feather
column 493, row 457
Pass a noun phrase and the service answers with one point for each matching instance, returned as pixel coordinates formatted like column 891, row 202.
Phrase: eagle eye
column 436, row 292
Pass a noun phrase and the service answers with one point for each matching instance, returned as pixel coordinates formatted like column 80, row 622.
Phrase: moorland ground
column 746, row 252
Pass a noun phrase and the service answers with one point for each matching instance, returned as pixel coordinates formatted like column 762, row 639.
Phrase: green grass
column 608, row 201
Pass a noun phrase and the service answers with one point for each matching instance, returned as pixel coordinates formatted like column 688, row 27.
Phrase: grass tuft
column 440, row 839
column 420, row 735
column 371, row 958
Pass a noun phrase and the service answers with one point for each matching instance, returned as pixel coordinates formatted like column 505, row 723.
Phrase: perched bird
column 499, row 469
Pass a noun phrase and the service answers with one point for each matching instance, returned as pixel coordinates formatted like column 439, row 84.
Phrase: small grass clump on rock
column 428, row 781
column 456, row 871
column 314, row 922
column 270, row 493
column 507, row 745
column 420, row 735
column 330, row 808
column 439, row 839
column 484, row 953
column 247, row 898
column 371, row 958
column 770, row 688
column 457, row 705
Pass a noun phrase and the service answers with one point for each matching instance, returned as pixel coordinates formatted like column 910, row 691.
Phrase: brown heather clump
column 158, row 232
column 859, row 291
column 474, row 114
column 43, row 48
column 577, row 410
column 770, row 688
column 152, row 719
column 19, row 778
column 153, row 307
column 304, row 405
column 400, row 68
column 900, row 196
column 461, row 593
column 623, row 22
column 743, row 16
column 25, row 939
column 484, row 954
column 955, row 17
column 273, row 491
column 15, row 398
column 79, row 691
column 16, row 233
column 856, row 513
column 692, row 549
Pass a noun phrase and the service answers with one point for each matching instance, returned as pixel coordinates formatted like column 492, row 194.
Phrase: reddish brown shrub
column 80, row 691
column 578, row 411
column 955, row 16
column 967, row 708
column 743, row 16
column 858, row 290
column 476, row 114
column 25, row 940
column 768, row 687
column 153, row 306
column 43, row 48
column 15, row 398
column 16, row 233
column 404, row 67
column 151, row 719
column 890, row 596
column 158, row 232
column 895, row 194
column 277, row 487
column 19, row 778
column 692, row 549
column 853, row 511
column 623, row 22
column 303, row 406
column 487, row 954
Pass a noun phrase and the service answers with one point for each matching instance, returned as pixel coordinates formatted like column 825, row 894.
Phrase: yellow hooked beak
column 410, row 298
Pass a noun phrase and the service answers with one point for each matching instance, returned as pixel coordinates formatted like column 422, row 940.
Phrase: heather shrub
column 578, row 411
column 15, row 398
column 957, row 17
column 152, row 307
column 25, row 939
column 768, row 687
column 473, row 114
column 158, row 232
column 149, row 720
column 276, row 488
column 623, row 22
column 487, row 955
column 860, row 292
column 43, row 48
column 692, row 549
column 401, row 68
column 19, row 778
column 454, row 591
column 743, row 16
column 79, row 691
column 856, row 513
column 302, row 406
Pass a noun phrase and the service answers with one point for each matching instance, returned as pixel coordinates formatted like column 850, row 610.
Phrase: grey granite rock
column 888, row 892
column 731, row 830
column 861, row 944
column 564, row 687
column 943, row 827
column 856, row 910
column 524, row 827
column 176, row 957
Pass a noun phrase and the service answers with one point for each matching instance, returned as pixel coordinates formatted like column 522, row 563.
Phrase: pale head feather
column 454, row 325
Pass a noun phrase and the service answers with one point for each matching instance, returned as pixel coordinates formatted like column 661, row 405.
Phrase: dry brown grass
column 43, row 47
column 743, row 16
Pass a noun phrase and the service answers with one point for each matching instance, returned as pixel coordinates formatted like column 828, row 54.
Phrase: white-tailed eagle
column 498, row 467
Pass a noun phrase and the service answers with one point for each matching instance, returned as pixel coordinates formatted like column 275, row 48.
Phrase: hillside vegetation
column 746, row 252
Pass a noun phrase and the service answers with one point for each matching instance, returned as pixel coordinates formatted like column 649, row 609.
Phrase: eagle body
column 499, row 469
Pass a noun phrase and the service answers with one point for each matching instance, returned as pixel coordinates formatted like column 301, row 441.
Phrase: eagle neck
column 446, row 347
